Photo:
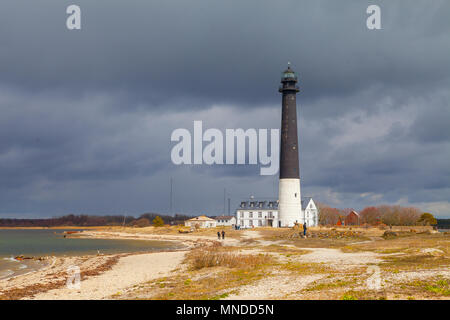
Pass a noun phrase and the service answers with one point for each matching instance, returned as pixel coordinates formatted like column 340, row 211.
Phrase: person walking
column 304, row 229
column 218, row 235
column 223, row 235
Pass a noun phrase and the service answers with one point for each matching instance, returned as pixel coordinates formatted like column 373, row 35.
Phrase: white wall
column 229, row 222
column 290, row 207
column 310, row 215
column 257, row 218
column 202, row 224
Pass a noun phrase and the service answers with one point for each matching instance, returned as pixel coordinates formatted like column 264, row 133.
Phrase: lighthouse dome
column 289, row 74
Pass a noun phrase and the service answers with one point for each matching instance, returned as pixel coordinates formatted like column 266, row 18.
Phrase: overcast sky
column 86, row 115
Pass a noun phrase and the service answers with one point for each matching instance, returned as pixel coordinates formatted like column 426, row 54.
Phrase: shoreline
column 15, row 265
column 49, row 281
column 52, row 277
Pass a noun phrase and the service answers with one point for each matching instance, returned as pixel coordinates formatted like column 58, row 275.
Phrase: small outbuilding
column 353, row 219
column 201, row 222
column 226, row 221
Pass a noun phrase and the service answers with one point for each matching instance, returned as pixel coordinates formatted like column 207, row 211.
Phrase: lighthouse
column 290, row 208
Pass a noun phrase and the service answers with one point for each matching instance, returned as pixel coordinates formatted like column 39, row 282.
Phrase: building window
column 250, row 215
column 242, row 214
column 270, row 215
column 260, row 223
column 242, row 223
column 251, row 223
column 259, row 214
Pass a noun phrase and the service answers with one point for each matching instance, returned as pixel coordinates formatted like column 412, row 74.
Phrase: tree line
column 83, row 220
column 393, row 215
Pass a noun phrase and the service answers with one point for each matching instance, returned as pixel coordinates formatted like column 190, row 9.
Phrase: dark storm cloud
column 222, row 51
column 86, row 116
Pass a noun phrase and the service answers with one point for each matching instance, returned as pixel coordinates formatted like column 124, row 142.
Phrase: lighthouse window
column 296, row 195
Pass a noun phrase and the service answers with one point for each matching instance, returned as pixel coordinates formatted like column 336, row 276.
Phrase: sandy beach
column 102, row 276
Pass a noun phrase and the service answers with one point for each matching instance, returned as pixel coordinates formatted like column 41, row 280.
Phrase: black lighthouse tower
column 289, row 187
column 289, row 141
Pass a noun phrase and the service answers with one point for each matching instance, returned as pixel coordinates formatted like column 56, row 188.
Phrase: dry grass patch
column 410, row 244
column 213, row 273
column 306, row 268
column 210, row 287
column 212, row 257
column 339, row 283
column 364, row 295
column 318, row 243
column 287, row 251
column 414, row 262
column 433, row 288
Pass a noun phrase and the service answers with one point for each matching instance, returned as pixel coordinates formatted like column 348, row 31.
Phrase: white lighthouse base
column 290, row 208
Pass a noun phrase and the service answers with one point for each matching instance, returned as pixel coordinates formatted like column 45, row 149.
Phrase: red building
column 352, row 219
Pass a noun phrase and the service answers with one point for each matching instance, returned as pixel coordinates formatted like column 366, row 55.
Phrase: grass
column 349, row 296
column 203, row 285
column 413, row 262
column 364, row 295
column 212, row 257
column 436, row 287
column 305, row 268
column 441, row 287
column 410, row 244
column 329, row 285
column 217, row 272
column 287, row 251
column 213, row 273
column 432, row 288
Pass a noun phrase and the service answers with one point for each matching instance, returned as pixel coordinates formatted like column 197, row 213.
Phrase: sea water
column 51, row 242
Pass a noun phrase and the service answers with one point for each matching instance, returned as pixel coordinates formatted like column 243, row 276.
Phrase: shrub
column 158, row 221
column 348, row 296
column 141, row 223
column 427, row 219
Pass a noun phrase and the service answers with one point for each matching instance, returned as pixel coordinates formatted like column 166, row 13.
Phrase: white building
column 201, row 222
column 225, row 220
column 264, row 213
